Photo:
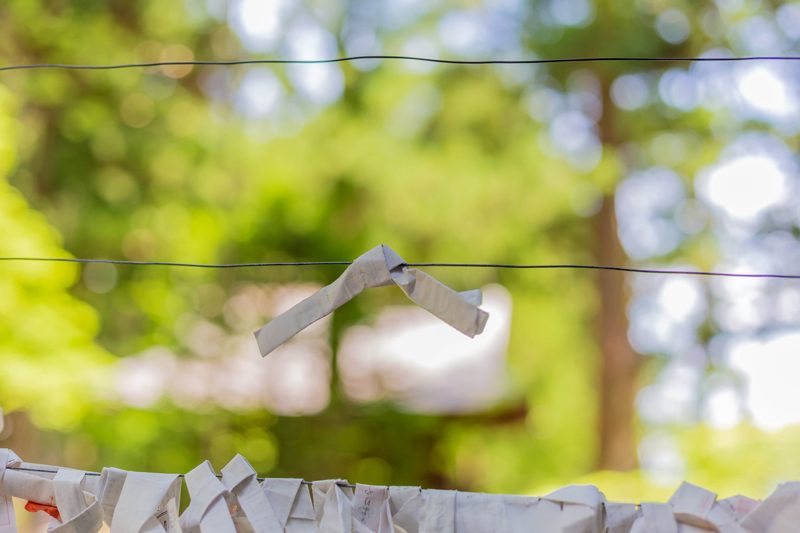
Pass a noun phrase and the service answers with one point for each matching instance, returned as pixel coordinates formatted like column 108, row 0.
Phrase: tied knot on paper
column 378, row 267
column 240, row 502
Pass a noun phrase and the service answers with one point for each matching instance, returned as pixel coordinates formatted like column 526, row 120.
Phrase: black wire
column 394, row 57
column 446, row 265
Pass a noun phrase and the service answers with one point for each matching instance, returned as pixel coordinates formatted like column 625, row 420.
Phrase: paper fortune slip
column 378, row 267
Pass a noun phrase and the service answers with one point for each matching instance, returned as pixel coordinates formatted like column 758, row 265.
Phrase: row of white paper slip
column 236, row 501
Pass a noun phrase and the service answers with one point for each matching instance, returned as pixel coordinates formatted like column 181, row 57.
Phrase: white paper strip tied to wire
column 133, row 502
column 405, row 504
column 336, row 507
column 208, row 509
column 266, row 507
column 371, row 510
column 378, row 267
column 141, row 502
column 80, row 512
column 292, row 504
column 365, row 511
column 8, row 522
column 249, row 502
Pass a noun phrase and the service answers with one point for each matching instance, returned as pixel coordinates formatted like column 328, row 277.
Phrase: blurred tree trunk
column 619, row 363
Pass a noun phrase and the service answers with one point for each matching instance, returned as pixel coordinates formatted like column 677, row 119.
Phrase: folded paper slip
column 138, row 502
column 376, row 268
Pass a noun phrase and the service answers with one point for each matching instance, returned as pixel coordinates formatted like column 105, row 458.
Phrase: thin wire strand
column 90, row 473
column 233, row 62
column 633, row 270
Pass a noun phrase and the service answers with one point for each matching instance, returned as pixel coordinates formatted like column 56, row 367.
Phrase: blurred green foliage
column 46, row 335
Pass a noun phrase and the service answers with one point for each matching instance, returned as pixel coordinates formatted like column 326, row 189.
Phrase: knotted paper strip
column 253, row 506
column 620, row 517
column 656, row 518
column 371, row 510
column 406, row 504
column 112, row 480
column 208, row 511
column 698, row 507
column 378, row 267
column 439, row 514
column 336, row 507
column 8, row 521
column 581, row 508
column 31, row 486
column 780, row 513
column 292, row 505
column 476, row 513
column 79, row 510
column 520, row 511
column 142, row 504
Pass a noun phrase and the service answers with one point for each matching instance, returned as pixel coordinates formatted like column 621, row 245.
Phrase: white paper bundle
column 8, row 521
column 371, row 510
column 405, row 504
column 208, row 509
column 80, row 512
column 135, row 502
column 252, row 509
column 378, row 267
column 143, row 503
column 292, row 504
